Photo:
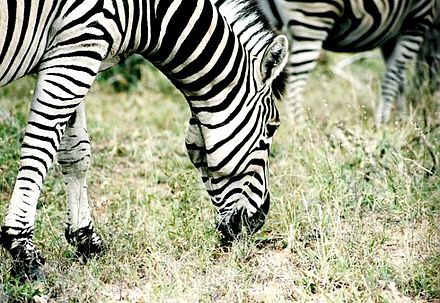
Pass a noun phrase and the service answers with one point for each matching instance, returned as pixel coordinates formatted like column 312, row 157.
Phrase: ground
column 355, row 213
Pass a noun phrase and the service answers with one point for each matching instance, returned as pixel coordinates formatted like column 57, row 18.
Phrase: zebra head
column 229, row 141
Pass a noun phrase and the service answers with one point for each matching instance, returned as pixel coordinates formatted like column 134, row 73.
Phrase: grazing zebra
column 230, row 87
column 397, row 26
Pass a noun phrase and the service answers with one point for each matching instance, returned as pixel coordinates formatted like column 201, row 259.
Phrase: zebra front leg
column 74, row 159
column 57, row 95
column 38, row 150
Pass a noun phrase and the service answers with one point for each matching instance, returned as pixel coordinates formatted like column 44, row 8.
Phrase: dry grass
column 354, row 218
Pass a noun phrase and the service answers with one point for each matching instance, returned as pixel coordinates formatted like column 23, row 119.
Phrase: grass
column 354, row 216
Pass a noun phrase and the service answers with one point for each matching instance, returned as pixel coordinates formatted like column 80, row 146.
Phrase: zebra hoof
column 231, row 225
column 27, row 260
column 88, row 244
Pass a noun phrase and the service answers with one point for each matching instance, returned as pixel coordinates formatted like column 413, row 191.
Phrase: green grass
column 354, row 215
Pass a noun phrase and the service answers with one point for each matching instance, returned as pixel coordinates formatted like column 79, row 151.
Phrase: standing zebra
column 230, row 88
column 397, row 26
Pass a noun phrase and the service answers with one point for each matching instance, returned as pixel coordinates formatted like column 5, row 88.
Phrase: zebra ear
column 274, row 58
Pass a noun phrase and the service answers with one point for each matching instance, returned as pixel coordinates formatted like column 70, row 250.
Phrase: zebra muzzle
column 239, row 221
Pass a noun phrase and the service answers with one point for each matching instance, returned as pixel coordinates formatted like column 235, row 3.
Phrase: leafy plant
column 125, row 76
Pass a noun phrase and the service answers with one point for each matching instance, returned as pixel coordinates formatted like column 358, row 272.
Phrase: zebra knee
column 75, row 159
column 87, row 242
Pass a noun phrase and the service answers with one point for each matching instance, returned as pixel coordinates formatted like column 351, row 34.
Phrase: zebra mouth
column 238, row 221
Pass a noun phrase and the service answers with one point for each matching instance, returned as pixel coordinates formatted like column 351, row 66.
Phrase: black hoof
column 27, row 261
column 88, row 243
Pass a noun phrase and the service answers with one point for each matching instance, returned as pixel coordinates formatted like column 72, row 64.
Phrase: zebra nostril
column 271, row 129
column 216, row 200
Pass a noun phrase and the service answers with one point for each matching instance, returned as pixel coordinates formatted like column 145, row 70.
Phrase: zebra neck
column 205, row 60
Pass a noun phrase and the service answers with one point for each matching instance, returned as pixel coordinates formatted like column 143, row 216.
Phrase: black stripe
column 41, row 149
column 47, row 23
column 23, row 30
column 41, row 138
column 35, row 159
column 60, row 86
column 63, row 106
column 71, row 79
column 78, row 53
column 11, row 8
column 51, row 116
column 31, row 168
column 72, row 162
column 29, row 180
column 273, row 8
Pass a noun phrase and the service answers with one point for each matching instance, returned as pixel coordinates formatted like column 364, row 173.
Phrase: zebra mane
column 254, row 31
column 246, row 8
column 246, row 17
